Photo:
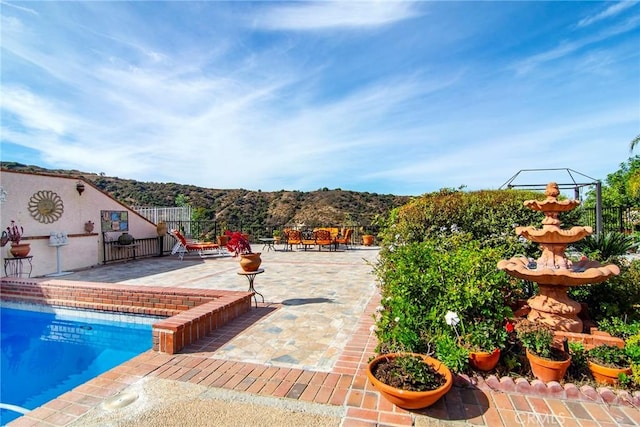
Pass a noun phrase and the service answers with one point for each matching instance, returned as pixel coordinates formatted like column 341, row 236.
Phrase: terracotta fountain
column 553, row 272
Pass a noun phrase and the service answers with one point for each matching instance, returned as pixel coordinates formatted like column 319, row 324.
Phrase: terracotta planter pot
column 484, row 361
column 548, row 370
column 20, row 249
column 161, row 228
column 367, row 240
column 222, row 240
column 411, row 399
column 250, row 262
column 606, row 375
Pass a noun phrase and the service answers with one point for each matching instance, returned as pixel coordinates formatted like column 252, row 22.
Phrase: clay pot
column 20, row 250
column 606, row 375
column 88, row 227
column 367, row 240
column 484, row 361
column 548, row 370
column 222, row 240
column 411, row 399
column 161, row 228
column 250, row 262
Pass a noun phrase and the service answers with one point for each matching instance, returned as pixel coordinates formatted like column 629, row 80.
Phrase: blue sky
column 387, row 97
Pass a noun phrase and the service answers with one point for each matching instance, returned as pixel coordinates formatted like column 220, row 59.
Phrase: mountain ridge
column 240, row 208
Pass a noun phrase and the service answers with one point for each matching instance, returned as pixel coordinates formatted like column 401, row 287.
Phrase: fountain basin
column 554, row 236
column 582, row 272
column 551, row 204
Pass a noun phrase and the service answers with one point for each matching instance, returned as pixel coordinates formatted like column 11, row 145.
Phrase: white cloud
column 20, row 8
column 334, row 14
column 566, row 48
column 610, row 11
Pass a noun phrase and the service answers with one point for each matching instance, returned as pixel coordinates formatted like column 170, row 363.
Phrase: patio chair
column 345, row 239
column 183, row 246
column 294, row 237
column 323, row 238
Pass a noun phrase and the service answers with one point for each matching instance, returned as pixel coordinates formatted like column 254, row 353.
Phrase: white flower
column 379, row 308
column 373, row 328
column 452, row 318
column 388, row 298
column 397, row 319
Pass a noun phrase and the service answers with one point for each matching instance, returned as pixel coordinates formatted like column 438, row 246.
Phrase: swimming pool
column 46, row 354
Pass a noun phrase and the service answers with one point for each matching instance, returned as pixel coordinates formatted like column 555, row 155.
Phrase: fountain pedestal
column 554, row 307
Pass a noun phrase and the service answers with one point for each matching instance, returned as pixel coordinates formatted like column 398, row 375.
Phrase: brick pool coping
column 191, row 314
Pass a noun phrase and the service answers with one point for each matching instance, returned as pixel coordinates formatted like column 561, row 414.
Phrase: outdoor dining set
column 330, row 238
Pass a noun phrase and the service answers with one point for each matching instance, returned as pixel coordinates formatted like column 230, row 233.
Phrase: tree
column 636, row 141
column 622, row 187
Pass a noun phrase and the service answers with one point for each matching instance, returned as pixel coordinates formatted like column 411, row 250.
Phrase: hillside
column 251, row 209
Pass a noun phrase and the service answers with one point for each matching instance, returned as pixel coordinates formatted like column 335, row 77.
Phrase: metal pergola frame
column 576, row 186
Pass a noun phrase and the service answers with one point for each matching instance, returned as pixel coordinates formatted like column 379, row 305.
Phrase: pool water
column 45, row 355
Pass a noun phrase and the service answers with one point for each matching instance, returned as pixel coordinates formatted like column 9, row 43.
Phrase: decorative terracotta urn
column 250, row 262
column 20, row 250
column 222, row 240
column 161, row 228
column 367, row 240
column 88, row 226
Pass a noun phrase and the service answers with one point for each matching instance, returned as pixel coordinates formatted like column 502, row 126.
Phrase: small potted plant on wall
column 238, row 245
column 607, row 362
column 15, row 233
column 548, row 363
column 484, row 341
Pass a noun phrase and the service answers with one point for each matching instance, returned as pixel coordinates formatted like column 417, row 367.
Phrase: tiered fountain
column 553, row 272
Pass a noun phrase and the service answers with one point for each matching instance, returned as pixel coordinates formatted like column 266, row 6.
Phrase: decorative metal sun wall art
column 46, row 206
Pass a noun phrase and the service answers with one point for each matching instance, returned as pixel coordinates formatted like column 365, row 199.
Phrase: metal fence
column 623, row 219
column 197, row 230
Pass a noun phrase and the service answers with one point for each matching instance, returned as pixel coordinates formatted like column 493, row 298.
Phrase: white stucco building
column 43, row 204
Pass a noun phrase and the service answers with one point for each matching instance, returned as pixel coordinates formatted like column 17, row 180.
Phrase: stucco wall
column 84, row 249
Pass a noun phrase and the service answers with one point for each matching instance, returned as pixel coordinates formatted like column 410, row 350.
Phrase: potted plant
column 15, row 233
column 484, row 341
column 607, row 362
column 277, row 236
column 238, row 245
column 367, row 237
column 409, row 380
column 547, row 362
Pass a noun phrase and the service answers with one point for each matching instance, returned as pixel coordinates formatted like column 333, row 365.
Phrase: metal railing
column 623, row 219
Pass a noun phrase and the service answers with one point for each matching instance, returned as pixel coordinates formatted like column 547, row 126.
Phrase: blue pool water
column 45, row 355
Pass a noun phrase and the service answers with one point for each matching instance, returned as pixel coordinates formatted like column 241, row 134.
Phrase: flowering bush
column 421, row 281
column 237, row 244
column 15, row 232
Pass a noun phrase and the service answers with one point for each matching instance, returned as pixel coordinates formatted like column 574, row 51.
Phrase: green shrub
column 454, row 357
column 617, row 327
column 421, row 281
column 605, row 246
column 490, row 216
column 578, row 370
column 617, row 297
